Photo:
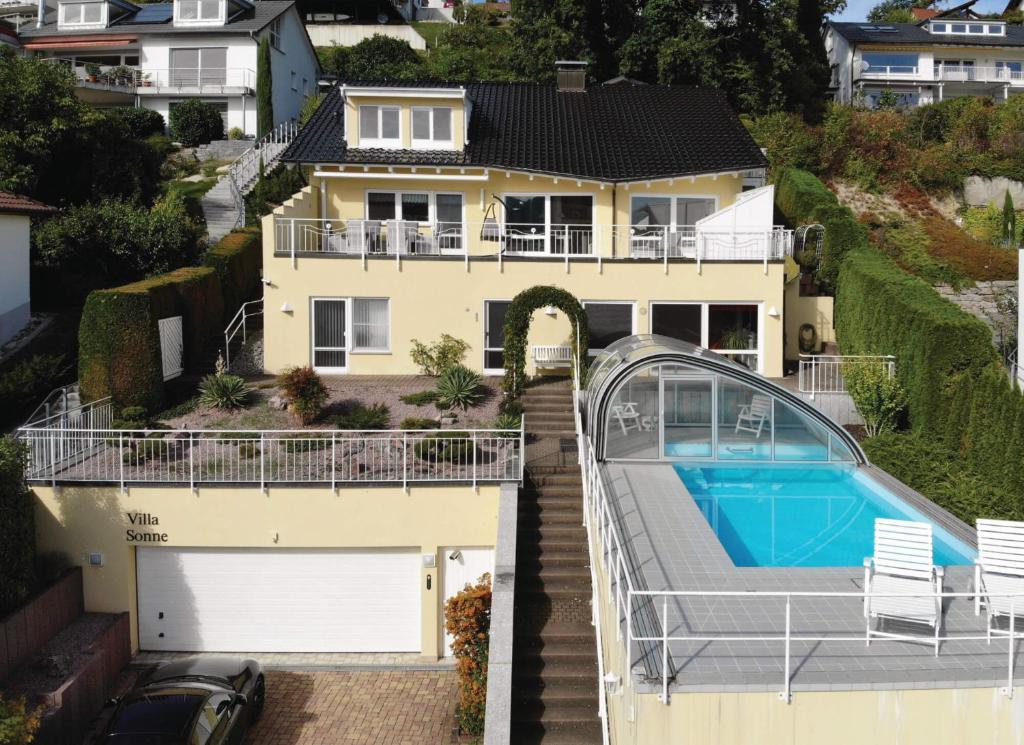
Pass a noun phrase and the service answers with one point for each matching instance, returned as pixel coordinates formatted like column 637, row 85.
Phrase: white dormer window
column 432, row 128
column 198, row 12
column 82, row 15
column 380, row 126
column 976, row 28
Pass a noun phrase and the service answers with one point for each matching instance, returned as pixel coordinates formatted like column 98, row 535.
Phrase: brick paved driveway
column 376, row 708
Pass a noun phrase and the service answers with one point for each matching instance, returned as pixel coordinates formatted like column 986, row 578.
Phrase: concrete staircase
column 220, row 210
column 554, row 670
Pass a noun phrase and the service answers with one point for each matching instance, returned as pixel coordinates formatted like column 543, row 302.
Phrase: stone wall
column 24, row 632
column 995, row 303
column 981, row 192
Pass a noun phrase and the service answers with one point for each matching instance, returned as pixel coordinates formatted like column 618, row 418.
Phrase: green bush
column 119, row 341
column 415, row 422
column 271, row 190
column 422, row 398
column 447, row 446
column 238, row 260
column 467, row 618
column 305, row 392
column 17, row 526
column 511, row 406
column 27, row 382
column 459, row 386
column 510, row 423
column 517, row 329
column 309, row 107
column 374, row 416
column 139, row 122
column 18, row 723
column 195, row 122
column 789, row 142
column 226, row 392
column 433, row 359
column 878, row 396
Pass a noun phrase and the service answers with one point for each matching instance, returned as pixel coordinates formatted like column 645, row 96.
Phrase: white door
column 464, row 566
column 172, row 348
column 278, row 600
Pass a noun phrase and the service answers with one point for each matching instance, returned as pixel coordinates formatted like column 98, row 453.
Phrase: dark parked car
column 195, row 701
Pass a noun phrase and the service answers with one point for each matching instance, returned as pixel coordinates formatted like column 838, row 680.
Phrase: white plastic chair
column 902, row 568
column 627, row 416
column 999, row 570
column 752, row 416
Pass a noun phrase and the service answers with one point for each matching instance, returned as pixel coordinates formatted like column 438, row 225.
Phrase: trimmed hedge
column 17, row 526
column 803, row 199
column 238, row 260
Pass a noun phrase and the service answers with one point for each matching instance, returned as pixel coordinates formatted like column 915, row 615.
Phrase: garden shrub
column 511, row 406
column 421, row 398
column 18, row 723
column 416, row 422
column 433, row 359
column 517, row 329
column 449, row 446
column 305, row 392
column 238, row 260
column 374, row 416
column 468, row 620
column 140, row 123
column 194, row 122
column 459, row 386
column 223, row 391
column 17, row 527
column 878, row 396
column 119, row 341
column 27, row 382
column 509, row 423
column 789, row 142
column 271, row 190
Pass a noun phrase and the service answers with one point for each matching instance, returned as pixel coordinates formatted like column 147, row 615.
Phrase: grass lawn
column 431, row 31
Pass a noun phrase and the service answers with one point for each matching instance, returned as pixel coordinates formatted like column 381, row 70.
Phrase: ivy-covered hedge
column 803, row 199
column 17, row 526
column 238, row 260
column 517, row 329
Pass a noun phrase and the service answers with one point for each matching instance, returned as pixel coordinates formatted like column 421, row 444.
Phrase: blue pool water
column 801, row 515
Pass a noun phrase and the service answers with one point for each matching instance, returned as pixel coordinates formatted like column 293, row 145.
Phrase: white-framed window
column 608, row 321
column 371, row 325
column 424, row 207
column 733, row 330
column 199, row 66
column 554, row 224
column 340, row 327
column 655, row 210
column 274, row 32
column 494, row 335
column 975, row 28
column 380, row 126
column 432, row 128
column 82, row 14
column 198, row 12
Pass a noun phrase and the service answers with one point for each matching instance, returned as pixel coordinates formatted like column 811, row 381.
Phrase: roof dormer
column 208, row 12
column 87, row 14
column 406, row 118
column 965, row 27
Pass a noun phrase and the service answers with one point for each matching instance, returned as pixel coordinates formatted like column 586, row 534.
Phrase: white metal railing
column 823, row 373
column 264, row 154
column 100, row 454
column 358, row 237
column 207, row 79
column 617, row 599
column 944, row 73
column 240, row 322
column 55, row 402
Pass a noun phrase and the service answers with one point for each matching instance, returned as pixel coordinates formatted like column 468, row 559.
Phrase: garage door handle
column 160, row 615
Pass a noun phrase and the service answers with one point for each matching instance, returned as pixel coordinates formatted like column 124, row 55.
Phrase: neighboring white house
column 159, row 54
column 945, row 56
column 15, row 304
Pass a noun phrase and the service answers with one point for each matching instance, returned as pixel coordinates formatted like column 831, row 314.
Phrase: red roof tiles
column 23, row 205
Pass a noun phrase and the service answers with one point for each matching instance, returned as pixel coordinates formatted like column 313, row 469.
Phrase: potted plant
column 92, row 72
column 146, row 82
column 122, row 75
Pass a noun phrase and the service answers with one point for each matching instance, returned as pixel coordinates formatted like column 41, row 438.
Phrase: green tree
column 264, row 89
column 382, row 58
column 891, row 11
column 878, row 396
column 17, row 526
column 1009, row 221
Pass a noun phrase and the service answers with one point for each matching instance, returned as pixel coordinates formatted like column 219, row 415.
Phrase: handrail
column 240, row 320
column 823, row 373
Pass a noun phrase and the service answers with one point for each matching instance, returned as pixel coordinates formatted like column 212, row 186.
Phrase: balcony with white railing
column 944, row 74
column 303, row 237
column 81, row 446
column 161, row 81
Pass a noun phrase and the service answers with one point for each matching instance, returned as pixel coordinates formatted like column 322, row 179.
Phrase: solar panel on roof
column 157, row 13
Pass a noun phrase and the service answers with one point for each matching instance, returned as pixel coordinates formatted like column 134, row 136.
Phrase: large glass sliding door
column 688, row 405
column 549, row 224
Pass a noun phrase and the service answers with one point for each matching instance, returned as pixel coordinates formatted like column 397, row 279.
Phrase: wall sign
column 145, row 520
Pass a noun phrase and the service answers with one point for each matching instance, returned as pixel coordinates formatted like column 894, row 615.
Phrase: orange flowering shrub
column 468, row 619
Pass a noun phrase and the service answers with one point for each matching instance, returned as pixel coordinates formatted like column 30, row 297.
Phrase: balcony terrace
column 176, row 80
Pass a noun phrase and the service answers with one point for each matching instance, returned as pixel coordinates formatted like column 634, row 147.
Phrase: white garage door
column 252, row 600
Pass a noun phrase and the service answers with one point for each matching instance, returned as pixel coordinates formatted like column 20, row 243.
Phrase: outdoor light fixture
column 286, row 308
column 428, row 561
column 455, row 556
column 550, row 310
column 773, row 312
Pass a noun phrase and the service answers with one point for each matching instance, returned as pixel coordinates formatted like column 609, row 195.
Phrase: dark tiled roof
column 21, row 205
column 609, row 133
column 251, row 20
column 911, row 33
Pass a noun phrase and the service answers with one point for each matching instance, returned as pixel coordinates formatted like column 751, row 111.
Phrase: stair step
column 545, row 669
column 527, row 548
column 537, row 518
column 550, row 711
column 554, row 587
column 552, row 649
column 568, row 689
column 552, row 572
column 550, row 416
column 544, row 562
column 559, row 479
column 556, row 533
column 568, row 491
column 557, row 733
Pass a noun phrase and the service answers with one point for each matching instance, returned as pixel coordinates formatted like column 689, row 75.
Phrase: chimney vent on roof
column 572, row 75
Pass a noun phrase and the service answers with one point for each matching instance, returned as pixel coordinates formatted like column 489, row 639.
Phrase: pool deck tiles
column 671, row 547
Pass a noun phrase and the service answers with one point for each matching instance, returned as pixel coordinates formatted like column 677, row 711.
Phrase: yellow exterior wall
column 80, row 520
column 817, row 311
column 352, row 104
column 434, row 295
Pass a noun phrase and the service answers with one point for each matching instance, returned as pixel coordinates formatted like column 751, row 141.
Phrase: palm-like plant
column 459, row 386
column 222, row 391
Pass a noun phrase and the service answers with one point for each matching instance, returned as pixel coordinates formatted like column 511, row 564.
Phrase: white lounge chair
column 627, row 416
column 362, row 236
column 902, row 565
column 999, row 570
column 753, row 416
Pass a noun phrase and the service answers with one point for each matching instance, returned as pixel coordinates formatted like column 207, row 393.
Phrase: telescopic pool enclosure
column 655, row 398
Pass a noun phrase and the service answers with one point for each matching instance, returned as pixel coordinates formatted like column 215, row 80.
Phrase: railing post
column 405, row 462
column 522, row 446
column 1010, row 651
column 263, row 477
column 120, row 458
column 664, row 651
column 473, row 444
column 191, row 465
column 293, row 242
column 334, row 462
column 785, row 694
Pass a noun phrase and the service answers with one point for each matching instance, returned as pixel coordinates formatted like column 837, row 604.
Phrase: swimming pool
column 802, row 515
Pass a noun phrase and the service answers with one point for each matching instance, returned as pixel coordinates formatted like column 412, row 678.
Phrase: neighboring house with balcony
column 158, row 54
column 944, row 56
column 16, row 213
column 430, row 207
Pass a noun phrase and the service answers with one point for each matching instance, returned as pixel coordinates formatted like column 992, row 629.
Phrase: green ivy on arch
column 517, row 329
